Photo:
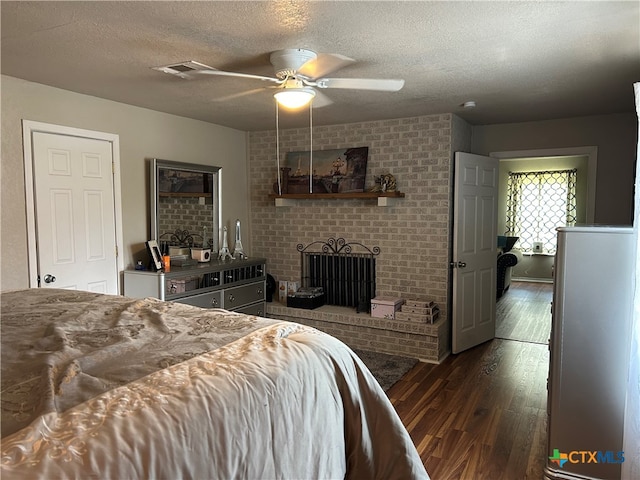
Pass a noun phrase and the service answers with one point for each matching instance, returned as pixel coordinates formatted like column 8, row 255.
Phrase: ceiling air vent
column 183, row 69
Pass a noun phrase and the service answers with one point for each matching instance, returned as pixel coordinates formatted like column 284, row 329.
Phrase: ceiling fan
column 298, row 73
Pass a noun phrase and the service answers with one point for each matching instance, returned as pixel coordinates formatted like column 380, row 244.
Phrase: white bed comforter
column 282, row 402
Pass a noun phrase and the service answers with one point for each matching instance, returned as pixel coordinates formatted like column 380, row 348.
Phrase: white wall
column 143, row 133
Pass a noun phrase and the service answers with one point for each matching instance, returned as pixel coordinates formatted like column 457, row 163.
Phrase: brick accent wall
column 413, row 236
column 185, row 213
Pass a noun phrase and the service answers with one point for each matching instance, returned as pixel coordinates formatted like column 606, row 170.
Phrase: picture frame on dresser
column 154, row 253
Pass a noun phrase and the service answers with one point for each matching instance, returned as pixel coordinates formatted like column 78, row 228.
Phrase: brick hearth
column 427, row 342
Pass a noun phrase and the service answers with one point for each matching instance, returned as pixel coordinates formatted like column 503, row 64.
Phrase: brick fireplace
column 413, row 235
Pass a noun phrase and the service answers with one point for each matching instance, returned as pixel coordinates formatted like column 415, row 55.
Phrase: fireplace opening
column 345, row 271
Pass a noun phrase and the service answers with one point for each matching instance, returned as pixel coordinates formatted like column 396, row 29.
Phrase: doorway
column 523, row 313
column 73, row 208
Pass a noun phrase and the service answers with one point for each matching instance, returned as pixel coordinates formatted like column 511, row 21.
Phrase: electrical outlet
column 537, row 247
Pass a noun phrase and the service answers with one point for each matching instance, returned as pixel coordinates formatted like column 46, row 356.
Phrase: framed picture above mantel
column 339, row 170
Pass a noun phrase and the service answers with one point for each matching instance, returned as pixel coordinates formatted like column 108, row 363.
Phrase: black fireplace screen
column 348, row 278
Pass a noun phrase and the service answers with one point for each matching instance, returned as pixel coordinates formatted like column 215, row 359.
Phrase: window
column 538, row 203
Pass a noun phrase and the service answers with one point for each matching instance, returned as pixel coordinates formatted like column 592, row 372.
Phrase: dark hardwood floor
column 481, row 414
column 524, row 312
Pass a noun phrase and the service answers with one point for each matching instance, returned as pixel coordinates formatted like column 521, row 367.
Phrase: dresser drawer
column 243, row 295
column 205, row 300
column 256, row 309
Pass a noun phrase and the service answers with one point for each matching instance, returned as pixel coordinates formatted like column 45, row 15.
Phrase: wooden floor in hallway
column 481, row 414
column 524, row 312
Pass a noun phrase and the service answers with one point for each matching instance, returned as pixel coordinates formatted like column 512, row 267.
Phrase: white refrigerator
column 592, row 310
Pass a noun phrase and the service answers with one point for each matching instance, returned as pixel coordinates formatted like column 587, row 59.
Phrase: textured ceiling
column 519, row 61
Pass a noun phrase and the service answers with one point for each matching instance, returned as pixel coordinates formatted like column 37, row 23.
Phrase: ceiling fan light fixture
column 294, row 97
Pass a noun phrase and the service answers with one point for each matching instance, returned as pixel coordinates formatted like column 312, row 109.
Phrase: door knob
column 458, row 264
column 48, row 278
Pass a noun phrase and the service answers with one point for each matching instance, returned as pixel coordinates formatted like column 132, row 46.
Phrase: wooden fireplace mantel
column 385, row 199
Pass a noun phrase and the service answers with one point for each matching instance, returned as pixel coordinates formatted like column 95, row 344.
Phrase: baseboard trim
column 533, row 280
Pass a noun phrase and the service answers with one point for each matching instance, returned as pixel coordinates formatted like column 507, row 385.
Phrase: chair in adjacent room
column 506, row 260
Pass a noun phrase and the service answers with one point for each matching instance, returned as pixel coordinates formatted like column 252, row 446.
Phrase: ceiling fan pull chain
column 278, row 173
column 311, row 146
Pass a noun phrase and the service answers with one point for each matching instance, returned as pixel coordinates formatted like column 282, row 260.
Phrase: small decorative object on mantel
column 384, row 183
column 339, row 170
column 224, row 251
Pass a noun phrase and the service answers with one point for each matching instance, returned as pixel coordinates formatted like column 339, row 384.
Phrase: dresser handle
column 259, row 291
column 214, row 302
column 231, row 298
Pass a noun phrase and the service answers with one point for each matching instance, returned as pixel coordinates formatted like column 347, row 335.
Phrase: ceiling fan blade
column 321, row 100
column 215, row 71
column 324, row 64
column 386, row 85
column 238, row 95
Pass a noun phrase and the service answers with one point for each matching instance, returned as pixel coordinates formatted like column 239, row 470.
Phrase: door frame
column 591, row 152
column 29, row 127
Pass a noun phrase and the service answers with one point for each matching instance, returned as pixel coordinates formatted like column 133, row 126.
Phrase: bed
column 103, row 386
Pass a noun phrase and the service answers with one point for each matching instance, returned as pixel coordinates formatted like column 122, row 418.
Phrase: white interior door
column 475, row 208
column 74, row 200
